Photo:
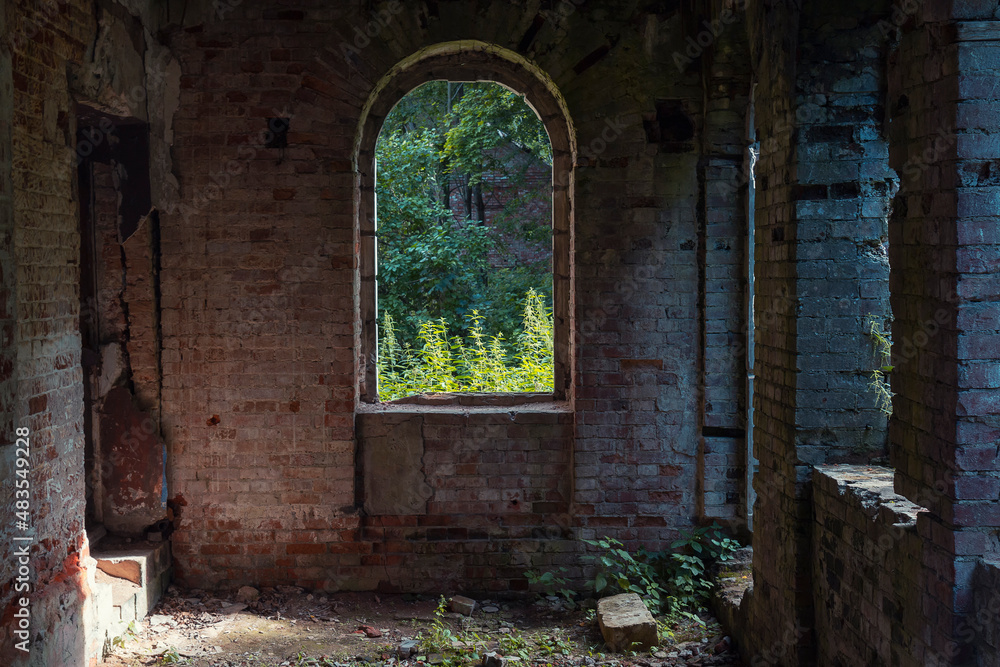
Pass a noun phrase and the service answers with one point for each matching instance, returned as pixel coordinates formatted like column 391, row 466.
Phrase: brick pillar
column 724, row 178
column 945, row 252
column 820, row 267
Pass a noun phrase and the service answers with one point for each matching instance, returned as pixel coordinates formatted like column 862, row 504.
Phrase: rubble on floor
column 290, row 627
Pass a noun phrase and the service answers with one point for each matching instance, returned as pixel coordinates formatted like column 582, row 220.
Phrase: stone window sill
column 471, row 403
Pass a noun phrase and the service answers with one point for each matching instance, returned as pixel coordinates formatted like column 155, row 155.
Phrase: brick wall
column 257, row 298
column 723, row 183
column 44, row 344
column 869, row 569
column 779, row 536
column 980, row 626
column 259, row 265
column 821, row 205
column 944, row 252
column 8, row 381
column 475, row 499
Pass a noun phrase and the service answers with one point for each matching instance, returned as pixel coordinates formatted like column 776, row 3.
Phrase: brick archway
column 466, row 61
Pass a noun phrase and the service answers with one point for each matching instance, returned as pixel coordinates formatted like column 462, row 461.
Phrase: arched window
column 467, row 71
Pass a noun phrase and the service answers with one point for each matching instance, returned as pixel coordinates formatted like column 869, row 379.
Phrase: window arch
column 465, row 61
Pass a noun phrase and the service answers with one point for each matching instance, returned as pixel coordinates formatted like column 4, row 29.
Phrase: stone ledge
column 469, row 404
column 870, row 488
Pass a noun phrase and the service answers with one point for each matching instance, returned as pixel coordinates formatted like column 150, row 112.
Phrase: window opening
column 464, row 236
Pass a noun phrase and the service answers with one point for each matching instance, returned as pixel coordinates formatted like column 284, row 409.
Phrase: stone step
column 129, row 580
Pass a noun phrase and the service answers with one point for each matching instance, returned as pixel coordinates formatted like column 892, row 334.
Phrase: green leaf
column 600, row 582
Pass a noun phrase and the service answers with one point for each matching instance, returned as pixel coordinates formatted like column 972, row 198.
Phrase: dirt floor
column 292, row 627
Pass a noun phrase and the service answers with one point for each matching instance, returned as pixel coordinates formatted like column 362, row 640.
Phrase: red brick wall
column 8, row 357
column 257, row 306
column 41, row 38
column 259, row 292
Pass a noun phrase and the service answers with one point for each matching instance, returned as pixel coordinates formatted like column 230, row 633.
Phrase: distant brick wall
column 723, row 244
column 257, row 299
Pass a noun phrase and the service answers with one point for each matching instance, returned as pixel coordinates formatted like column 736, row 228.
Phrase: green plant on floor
column 553, row 645
column 879, row 383
column 621, row 572
column 514, row 644
column 674, row 582
column 664, row 630
column 172, row 657
column 440, row 637
column 302, row 660
column 455, row 648
column 553, row 584
column 686, row 567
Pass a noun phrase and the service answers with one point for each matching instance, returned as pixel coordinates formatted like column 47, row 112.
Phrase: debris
column 491, row 609
column 369, row 631
column 408, row 647
column 247, row 594
column 626, row 623
column 462, row 605
column 233, row 608
column 493, row 659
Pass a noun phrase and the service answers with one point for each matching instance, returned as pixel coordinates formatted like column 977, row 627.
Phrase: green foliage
column 621, row 572
column 302, row 660
column 462, row 647
column 879, row 384
column 675, row 582
column 685, row 567
column 478, row 140
column 553, row 584
column 172, row 657
column 441, row 638
column 552, row 645
column 480, row 363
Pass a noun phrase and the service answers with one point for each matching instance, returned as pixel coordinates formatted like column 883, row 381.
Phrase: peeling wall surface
column 183, row 303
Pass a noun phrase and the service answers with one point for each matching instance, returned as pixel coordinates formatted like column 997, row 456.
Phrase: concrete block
column 626, row 623
column 462, row 605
